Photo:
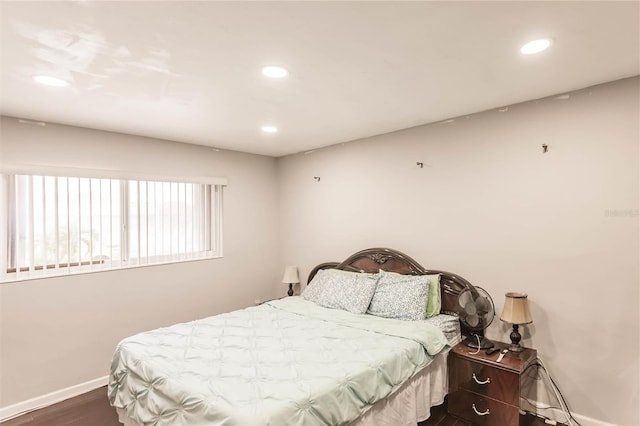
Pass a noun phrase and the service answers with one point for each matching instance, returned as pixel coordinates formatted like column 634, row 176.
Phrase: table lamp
column 291, row 277
column 516, row 312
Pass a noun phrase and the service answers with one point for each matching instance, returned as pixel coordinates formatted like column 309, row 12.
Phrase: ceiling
column 190, row 71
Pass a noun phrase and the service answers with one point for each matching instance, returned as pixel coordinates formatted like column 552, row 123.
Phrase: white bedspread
column 286, row 362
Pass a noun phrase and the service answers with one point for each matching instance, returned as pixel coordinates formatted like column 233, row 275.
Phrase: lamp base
column 515, row 348
column 515, row 340
column 290, row 292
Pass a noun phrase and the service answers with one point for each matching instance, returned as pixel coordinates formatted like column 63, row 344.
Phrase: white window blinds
column 59, row 225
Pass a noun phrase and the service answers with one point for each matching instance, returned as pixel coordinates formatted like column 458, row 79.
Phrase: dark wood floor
column 92, row 409
column 440, row 417
column 89, row 409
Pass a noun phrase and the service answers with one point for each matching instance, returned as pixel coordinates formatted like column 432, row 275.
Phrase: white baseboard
column 15, row 410
column 547, row 405
column 584, row 420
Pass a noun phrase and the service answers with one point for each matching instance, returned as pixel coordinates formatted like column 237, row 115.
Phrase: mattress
column 285, row 362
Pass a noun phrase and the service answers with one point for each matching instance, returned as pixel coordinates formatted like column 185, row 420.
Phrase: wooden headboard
column 373, row 259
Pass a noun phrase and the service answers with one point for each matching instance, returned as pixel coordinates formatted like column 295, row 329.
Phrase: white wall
column 561, row 226
column 490, row 206
column 59, row 332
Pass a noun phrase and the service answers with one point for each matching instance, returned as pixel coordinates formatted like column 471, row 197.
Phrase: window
column 61, row 225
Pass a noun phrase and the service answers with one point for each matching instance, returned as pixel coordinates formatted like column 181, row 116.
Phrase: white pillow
column 400, row 296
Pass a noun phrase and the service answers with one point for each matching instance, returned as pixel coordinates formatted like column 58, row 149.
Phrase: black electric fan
column 476, row 313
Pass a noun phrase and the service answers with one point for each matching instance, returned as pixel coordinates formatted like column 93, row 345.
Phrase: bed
column 297, row 360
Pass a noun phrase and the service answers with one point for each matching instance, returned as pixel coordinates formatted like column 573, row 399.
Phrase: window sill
column 24, row 277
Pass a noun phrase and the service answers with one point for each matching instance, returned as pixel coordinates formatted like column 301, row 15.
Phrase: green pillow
column 434, row 303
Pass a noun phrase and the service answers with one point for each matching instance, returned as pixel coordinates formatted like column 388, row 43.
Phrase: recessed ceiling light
column 269, row 129
column 50, row 81
column 273, row 71
column 535, row 46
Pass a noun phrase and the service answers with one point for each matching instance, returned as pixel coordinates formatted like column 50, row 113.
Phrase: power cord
column 558, row 394
column 479, row 348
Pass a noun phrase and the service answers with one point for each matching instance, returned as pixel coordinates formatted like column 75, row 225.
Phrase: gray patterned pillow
column 400, row 296
column 316, row 286
column 349, row 291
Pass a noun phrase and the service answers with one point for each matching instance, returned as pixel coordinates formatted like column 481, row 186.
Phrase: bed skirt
column 407, row 406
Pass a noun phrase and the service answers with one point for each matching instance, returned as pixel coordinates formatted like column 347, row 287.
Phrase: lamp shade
column 516, row 309
column 291, row 275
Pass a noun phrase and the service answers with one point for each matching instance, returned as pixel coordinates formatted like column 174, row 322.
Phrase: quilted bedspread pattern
column 287, row 362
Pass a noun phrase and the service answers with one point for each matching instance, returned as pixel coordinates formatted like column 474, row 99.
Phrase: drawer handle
column 485, row 382
column 484, row 413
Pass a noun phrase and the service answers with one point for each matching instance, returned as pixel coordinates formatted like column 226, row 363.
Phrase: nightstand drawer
column 481, row 410
column 485, row 380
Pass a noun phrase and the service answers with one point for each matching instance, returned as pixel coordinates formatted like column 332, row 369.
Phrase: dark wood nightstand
column 483, row 391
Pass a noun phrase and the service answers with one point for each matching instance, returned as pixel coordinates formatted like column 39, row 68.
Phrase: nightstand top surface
column 514, row 361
